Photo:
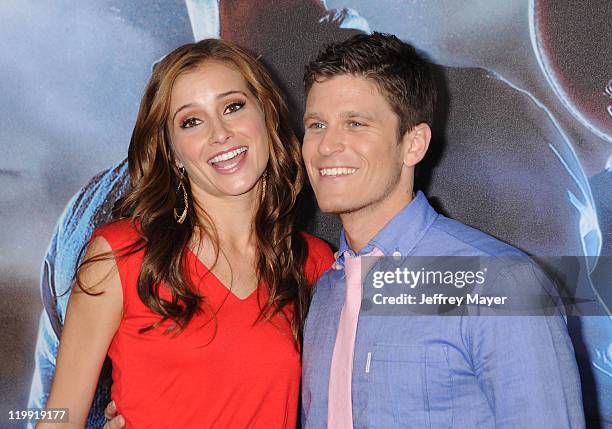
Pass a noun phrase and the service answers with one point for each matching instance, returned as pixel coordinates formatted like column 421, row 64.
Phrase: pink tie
column 339, row 405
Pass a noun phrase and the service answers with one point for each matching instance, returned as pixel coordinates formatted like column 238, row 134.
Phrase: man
column 367, row 125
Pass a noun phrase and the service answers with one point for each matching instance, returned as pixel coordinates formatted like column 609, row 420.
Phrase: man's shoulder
column 326, row 283
column 455, row 238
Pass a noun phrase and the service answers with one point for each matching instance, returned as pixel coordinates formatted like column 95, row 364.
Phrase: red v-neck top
column 228, row 373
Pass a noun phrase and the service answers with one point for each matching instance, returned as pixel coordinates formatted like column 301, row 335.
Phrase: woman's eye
column 233, row 107
column 190, row 122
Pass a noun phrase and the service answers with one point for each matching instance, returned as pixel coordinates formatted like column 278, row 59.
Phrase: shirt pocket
column 409, row 387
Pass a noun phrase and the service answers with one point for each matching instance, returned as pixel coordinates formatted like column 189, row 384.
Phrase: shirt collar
column 400, row 234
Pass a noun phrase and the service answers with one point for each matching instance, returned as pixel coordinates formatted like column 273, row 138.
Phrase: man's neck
column 362, row 225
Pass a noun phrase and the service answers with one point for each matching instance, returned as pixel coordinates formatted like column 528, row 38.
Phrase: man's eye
column 355, row 124
column 190, row 122
column 233, row 107
column 316, row 125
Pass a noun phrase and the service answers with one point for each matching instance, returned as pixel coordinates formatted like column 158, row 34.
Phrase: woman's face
column 218, row 132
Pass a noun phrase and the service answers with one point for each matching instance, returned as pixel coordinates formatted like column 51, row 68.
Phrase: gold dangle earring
column 181, row 218
column 264, row 182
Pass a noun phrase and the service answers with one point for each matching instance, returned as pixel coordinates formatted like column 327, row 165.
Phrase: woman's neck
column 232, row 218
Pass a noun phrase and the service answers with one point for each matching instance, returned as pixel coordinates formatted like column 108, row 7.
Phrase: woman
column 202, row 305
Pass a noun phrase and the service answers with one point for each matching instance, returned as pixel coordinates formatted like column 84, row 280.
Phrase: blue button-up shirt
column 441, row 371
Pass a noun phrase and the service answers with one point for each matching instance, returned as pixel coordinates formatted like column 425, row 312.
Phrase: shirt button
column 397, row 255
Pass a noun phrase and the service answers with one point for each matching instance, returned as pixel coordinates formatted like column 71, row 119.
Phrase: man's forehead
column 347, row 98
column 343, row 87
column 345, row 82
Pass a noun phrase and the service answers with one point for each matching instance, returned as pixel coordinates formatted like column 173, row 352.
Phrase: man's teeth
column 227, row 155
column 337, row 171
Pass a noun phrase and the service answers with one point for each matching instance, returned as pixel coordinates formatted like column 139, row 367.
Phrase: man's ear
column 415, row 143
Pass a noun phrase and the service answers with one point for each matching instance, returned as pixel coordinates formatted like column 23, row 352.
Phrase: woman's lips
column 231, row 165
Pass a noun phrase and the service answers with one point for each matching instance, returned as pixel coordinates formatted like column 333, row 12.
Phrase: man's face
column 351, row 149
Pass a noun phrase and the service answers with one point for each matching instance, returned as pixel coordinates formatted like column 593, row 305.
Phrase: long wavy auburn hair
column 153, row 196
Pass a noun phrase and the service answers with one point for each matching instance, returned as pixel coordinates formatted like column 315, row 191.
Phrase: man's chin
column 336, row 202
column 335, row 208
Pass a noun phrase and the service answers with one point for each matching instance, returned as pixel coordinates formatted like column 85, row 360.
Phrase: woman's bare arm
column 91, row 323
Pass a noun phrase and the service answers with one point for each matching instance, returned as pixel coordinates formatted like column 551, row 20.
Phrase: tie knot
column 353, row 261
column 374, row 252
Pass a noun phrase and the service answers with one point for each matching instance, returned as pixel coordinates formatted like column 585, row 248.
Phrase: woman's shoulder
column 320, row 256
column 316, row 245
column 125, row 242
column 119, row 234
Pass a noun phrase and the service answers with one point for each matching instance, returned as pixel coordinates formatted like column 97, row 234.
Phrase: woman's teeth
column 227, row 156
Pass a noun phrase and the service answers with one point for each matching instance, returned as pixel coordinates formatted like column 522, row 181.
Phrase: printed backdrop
column 522, row 141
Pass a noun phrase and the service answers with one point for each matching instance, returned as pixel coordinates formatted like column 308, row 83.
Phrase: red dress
column 227, row 372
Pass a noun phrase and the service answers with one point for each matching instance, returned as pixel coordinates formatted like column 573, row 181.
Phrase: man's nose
column 331, row 142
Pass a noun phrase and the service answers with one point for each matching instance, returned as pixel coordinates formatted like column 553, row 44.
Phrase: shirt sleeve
column 525, row 365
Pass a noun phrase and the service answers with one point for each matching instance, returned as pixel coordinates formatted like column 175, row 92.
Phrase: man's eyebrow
column 355, row 114
column 311, row 115
column 345, row 115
